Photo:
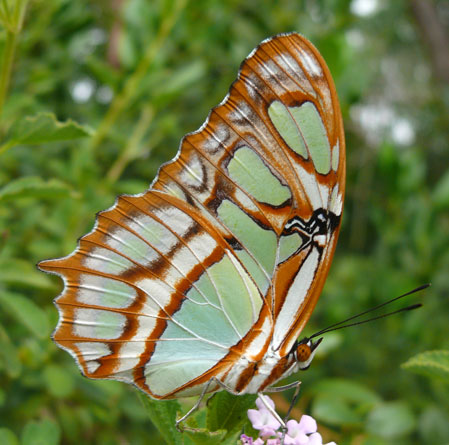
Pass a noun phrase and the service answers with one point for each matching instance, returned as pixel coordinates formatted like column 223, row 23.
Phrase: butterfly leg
column 283, row 388
column 196, row 406
column 226, row 387
column 271, row 410
column 294, row 399
column 264, row 400
column 201, row 397
column 295, row 385
column 261, row 397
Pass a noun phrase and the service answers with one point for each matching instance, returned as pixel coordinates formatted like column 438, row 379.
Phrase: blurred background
column 138, row 75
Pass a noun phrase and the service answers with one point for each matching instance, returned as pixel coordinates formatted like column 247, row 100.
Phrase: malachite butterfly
column 212, row 273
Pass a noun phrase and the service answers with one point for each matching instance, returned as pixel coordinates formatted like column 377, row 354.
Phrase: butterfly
column 206, row 280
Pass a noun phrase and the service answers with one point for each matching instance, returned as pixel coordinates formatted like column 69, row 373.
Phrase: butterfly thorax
column 252, row 376
column 249, row 376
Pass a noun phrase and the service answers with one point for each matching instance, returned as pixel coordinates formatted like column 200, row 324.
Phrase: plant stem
column 131, row 85
column 130, row 151
column 5, row 73
column 5, row 8
column 13, row 28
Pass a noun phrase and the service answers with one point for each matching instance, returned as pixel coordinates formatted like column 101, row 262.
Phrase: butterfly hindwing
column 229, row 249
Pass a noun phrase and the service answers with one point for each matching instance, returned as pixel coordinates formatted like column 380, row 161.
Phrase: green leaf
column 232, row 437
column 59, row 383
column 342, row 402
column 7, row 437
column 347, row 390
column 24, row 274
column 440, row 195
column 9, row 355
column 41, row 129
column 335, row 411
column 375, row 440
column 433, row 425
column 44, row 432
column 36, row 187
column 26, row 312
column 430, row 363
column 110, row 388
column 389, row 420
column 163, row 415
column 205, row 437
column 180, row 80
column 228, row 412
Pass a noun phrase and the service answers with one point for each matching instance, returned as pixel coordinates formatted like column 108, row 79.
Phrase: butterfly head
column 304, row 352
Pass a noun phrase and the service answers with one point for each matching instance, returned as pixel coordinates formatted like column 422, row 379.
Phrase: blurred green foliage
column 141, row 74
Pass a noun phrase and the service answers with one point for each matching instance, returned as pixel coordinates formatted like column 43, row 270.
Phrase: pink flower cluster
column 303, row 432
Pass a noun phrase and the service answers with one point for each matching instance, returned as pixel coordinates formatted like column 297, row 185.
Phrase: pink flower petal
column 294, row 431
column 289, row 440
column 315, row 439
column 307, row 424
column 294, row 435
column 266, row 432
column 261, row 405
column 255, row 418
column 292, row 426
column 246, row 440
column 262, row 419
column 300, row 439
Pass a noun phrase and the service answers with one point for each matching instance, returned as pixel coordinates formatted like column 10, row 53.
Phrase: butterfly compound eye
column 303, row 352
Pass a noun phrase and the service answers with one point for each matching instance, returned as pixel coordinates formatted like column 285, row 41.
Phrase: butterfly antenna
column 341, row 324
column 408, row 308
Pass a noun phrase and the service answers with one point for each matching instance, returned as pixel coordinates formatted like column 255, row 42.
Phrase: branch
column 434, row 35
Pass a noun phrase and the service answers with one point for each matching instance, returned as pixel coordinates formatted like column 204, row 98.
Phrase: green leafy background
column 100, row 94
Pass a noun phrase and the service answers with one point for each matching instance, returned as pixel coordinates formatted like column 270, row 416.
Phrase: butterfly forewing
column 228, row 251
